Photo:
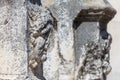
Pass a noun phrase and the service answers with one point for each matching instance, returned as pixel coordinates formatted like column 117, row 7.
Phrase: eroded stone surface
column 13, row 47
column 65, row 39
column 39, row 31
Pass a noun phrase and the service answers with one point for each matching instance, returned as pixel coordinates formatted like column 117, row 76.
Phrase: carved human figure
column 95, row 62
column 40, row 26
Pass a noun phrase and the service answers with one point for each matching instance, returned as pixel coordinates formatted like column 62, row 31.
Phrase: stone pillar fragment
column 66, row 50
column 55, row 39
column 13, row 47
column 62, row 11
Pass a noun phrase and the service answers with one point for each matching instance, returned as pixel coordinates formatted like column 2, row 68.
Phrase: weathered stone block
column 54, row 39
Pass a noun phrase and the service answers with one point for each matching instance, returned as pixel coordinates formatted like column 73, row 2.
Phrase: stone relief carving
column 40, row 26
column 94, row 62
column 52, row 52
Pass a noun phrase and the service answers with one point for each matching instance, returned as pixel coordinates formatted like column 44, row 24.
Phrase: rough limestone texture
column 13, row 47
column 93, row 61
column 55, row 39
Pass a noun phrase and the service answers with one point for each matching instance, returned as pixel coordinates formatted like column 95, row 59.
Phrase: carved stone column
column 91, row 39
column 65, row 14
column 55, row 39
